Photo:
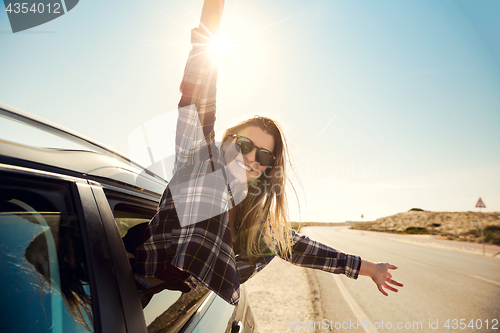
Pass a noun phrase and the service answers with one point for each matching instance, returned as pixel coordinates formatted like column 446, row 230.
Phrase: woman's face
column 245, row 167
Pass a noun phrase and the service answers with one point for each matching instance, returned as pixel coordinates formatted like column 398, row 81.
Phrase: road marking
column 353, row 305
column 482, row 278
column 355, row 308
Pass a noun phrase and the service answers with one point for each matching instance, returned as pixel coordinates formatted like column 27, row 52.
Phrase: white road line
column 355, row 308
column 482, row 278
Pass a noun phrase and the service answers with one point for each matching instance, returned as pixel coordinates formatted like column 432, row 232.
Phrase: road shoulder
column 282, row 294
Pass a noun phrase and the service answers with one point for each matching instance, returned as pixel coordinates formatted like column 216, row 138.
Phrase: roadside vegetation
column 295, row 226
column 491, row 232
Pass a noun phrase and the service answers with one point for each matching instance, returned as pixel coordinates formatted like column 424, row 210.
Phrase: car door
column 170, row 310
column 66, row 268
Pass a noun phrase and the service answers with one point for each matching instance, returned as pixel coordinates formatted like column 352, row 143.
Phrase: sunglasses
column 263, row 156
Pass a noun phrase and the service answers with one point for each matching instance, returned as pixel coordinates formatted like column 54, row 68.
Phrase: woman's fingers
column 386, row 286
column 394, row 282
column 382, row 291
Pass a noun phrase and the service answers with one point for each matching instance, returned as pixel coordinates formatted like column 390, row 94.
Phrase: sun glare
column 219, row 48
column 221, row 45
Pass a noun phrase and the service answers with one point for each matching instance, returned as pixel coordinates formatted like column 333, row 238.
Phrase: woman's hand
column 382, row 277
column 379, row 272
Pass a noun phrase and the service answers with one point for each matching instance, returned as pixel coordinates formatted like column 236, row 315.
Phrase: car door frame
column 107, row 303
column 124, row 275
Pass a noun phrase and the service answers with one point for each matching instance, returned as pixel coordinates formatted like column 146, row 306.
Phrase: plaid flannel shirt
column 190, row 230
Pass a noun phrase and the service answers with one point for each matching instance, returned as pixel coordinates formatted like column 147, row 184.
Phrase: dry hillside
column 449, row 224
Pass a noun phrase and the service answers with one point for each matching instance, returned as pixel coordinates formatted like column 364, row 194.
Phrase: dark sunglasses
column 263, row 156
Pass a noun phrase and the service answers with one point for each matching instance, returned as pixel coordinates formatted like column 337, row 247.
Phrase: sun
column 218, row 48
column 221, row 45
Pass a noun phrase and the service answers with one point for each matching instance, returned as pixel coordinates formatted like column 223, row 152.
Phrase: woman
column 223, row 216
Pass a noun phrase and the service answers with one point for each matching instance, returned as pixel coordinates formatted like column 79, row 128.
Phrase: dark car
column 63, row 214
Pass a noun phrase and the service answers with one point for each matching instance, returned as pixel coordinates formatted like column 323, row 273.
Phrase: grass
column 416, row 231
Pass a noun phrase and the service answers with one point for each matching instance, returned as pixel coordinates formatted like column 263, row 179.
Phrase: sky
column 386, row 105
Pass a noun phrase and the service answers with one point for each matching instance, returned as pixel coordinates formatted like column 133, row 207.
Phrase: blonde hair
column 262, row 217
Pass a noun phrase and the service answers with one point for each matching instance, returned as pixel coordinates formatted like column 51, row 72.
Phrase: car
column 64, row 210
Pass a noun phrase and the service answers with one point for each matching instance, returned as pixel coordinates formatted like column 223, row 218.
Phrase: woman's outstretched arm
column 309, row 253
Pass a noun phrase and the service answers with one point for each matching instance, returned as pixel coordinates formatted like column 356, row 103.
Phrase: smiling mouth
column 243, row 166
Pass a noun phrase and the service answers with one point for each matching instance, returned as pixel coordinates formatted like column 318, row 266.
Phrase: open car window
column 45, row 282
column 168, row 310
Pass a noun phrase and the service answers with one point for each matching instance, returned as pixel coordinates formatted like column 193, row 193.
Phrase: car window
column 44, row 276
column 168, row 310
column 128, row 216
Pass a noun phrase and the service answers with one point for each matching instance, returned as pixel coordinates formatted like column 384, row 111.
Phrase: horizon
column 363, row 220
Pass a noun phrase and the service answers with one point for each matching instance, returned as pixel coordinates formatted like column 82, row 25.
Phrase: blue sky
column 386, row 105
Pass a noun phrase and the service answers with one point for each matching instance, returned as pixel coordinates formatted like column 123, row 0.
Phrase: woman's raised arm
column 198, row 87
column 211, row 16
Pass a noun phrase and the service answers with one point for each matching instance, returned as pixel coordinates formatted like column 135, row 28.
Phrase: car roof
column 90, row 159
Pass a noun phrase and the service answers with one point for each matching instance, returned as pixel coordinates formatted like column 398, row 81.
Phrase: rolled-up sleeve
column 198, row 86
column 197, row 106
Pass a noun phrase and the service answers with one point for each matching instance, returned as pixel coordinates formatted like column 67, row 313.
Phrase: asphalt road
column 443, row 291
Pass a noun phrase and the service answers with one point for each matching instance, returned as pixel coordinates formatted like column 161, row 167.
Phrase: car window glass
column 128, row 216
column 174, row 316
column 45, row 279
column 168, row 310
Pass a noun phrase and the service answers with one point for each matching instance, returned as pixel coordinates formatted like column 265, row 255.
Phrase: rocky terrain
column 448, row 224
